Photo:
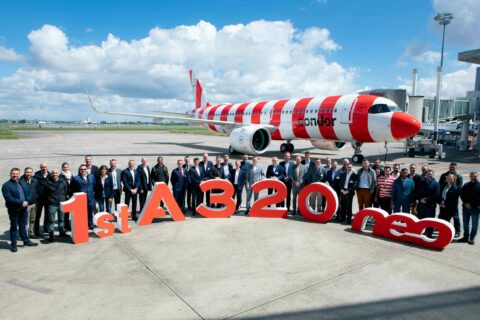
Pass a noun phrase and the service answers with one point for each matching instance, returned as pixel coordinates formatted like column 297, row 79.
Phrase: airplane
column 328, row 122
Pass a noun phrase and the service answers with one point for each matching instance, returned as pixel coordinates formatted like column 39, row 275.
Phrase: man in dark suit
column 216, row 172
column 333, row 179
column 91, row 169
column 178, row 177
column 452, row 169
column 32, row 186
column 116, row 174
column 131, row 186
column 145, row 182
column 16, row 197
column 85, row 182
column 316, row 173
column 227, row 166
column 236, row 178
column 207, row 166
column 196, row 177
column 276, row 172
column 348, row 182
column 449, row 198
column 307, row 162
column 42, row 202
column 187, row 166
column 287, row 166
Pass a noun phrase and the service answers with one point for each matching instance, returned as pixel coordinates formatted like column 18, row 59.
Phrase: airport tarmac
column 240, row 267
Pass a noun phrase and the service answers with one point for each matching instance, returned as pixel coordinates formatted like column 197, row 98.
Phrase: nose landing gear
column 357, row 153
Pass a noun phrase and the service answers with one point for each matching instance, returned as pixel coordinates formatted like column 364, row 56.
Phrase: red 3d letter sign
column 405, row 227
column 398, row 226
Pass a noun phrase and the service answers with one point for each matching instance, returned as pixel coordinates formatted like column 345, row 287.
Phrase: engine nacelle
column 328, row 145
column 250, row 139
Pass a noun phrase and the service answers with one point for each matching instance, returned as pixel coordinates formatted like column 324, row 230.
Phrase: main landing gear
column 357, row 153
column 287, row 147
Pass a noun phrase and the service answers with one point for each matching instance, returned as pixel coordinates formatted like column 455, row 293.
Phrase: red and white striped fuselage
column 348, row 118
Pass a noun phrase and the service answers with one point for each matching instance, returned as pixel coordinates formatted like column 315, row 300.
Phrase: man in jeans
column 366, row 185
column 16, row 200
column 470, row 195
column 31, row 184
column 57, row 190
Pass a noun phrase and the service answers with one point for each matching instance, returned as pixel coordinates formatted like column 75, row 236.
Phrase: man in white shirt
column 117, row 181
column 236, row 178
column 145, row 182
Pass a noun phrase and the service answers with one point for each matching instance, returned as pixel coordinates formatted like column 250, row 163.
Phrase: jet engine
column 328, row 145
column 250, row 140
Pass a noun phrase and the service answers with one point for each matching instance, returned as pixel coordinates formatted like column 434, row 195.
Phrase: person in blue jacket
column 17, row 198
column 85, row 182
column 403, row 193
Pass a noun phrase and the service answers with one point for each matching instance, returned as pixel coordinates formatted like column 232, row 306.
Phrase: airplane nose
column 404, row 125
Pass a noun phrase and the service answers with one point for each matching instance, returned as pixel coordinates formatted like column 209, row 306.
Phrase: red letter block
column 105, row 227
column 152, row 208
column 218, row 198
column 77, row 206
column 330, row 197
column 258, row 209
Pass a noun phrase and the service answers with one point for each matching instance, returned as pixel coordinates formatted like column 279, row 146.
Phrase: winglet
column 91, row 102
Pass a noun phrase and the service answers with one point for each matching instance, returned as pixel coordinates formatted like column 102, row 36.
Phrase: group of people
column 393, row 189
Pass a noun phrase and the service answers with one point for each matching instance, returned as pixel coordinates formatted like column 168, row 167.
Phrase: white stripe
column 312, row 112
column 247, row 114
column 266, row 116
column 286, row 128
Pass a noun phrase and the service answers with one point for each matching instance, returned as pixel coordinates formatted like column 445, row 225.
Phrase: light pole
column 443, row 19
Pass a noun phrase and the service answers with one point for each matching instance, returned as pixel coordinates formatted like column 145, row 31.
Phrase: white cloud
column 465, row 26
column 88, row 30
column 454, row 84
column 7, row 54
column 243, row 62
column 418, row 52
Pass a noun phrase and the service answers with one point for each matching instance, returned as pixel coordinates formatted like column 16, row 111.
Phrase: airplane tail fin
column 198, row 93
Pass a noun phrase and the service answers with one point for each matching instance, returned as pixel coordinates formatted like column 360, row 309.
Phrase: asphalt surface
column 240, row 267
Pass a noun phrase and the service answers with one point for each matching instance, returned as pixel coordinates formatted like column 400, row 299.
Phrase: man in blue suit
column 179, row 181
column 403, row 193
column 196, row 177
column 206, row 165
column 145, row 181
column 85, row 182
column 287, row 166
column 131, row 186
column 236, row 178
column 276, row 172
column 17, row 198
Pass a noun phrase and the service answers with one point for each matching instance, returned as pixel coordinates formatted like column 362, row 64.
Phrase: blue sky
column 377, row 43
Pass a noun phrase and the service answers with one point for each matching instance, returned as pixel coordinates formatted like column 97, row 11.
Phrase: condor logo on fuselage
column 320, row 122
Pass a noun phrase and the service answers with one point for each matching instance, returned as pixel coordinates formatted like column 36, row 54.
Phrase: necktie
column 181, row 172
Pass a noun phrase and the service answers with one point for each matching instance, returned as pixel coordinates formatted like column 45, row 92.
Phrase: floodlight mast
column 443, row 19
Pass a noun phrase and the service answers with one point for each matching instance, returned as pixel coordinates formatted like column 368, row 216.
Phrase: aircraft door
column 347, row 111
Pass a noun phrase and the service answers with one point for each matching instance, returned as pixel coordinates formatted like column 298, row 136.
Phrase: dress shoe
column 457, row 234
column 246, row 212
column 294, row 212
column 471, row 242
column 32, row 236
column 90, row 227
column 13, row 248
column 50, row 237
column 64, row 235
column 30, row 244
column 464, row 240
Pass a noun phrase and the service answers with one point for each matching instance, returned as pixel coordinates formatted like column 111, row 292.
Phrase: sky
column 134, row 56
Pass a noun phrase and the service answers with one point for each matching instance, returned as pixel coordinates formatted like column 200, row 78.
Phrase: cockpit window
column 383, row 108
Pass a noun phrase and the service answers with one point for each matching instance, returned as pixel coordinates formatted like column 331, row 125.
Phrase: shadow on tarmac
column 454, row 304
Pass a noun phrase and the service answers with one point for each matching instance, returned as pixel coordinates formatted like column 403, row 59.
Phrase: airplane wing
column 176, row 116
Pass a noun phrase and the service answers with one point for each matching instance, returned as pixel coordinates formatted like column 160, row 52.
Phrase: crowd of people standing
column 394, row 189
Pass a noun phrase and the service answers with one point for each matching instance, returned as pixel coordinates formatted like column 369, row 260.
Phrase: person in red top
column 384, row 190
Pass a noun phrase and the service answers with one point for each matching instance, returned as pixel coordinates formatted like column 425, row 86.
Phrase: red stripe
column 210, row 116
column 328, row 105
column 224, row 114
column 275, row 121
column 239, row 112
column 198, row 94
column 256, row 113
column 299, row 130
column 359, row 124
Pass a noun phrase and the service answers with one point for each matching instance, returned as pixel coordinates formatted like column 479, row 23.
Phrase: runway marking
column 132, row 252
